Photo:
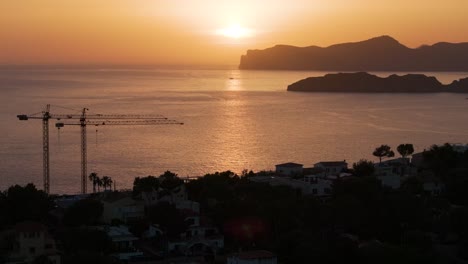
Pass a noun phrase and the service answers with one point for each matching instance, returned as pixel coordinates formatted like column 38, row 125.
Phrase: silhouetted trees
column 107, row 182
column 441, row 159
column 405, row 150
column 169, row 180
column 384, row 151
column 93, row 177
column 83, row 212
column 20, row 203
column 145, row 184
column 363, row 168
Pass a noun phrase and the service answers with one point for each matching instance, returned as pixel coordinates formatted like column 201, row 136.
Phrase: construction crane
column 83, row 123
column 83, row 116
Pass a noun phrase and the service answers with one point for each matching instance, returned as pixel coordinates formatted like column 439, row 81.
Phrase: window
column 314, row 191
column 327, row 190
column 32, row 250
column 48, row 246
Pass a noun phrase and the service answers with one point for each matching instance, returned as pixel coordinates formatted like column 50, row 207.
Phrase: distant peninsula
column 377, row 54
column 362, row 82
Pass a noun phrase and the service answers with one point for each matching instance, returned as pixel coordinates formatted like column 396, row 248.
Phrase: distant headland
column 362, row 82
column 377, row 54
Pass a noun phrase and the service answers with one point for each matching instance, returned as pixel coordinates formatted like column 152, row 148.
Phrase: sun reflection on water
column 234, row 81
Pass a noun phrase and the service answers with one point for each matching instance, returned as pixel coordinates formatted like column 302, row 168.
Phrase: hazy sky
column 209, row 32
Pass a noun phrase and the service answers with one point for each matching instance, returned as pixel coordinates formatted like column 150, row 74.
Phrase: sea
column 233, row 120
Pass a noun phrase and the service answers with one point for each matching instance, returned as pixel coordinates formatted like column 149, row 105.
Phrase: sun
column 235, row 31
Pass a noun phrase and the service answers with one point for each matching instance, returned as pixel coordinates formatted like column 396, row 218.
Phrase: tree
column 441, row 159
column 25, row 203
column 145, row 184
column 363, row 168
column 93, row 177
column 106, row 182
column 99, row 183
column 384, row 151
column 405, row 150
column 169, row 180
column 83, row 212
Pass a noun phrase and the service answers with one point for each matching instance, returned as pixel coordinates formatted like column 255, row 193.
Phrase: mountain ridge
column 382, row 53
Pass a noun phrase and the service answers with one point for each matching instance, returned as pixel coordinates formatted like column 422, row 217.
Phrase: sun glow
column 235, row 32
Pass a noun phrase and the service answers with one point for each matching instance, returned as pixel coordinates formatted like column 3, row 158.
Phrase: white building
column 197, row 241
column 253, row 257
column 178, row 197
column 122, row 207
column 459, row 147
column 289, row 169
column 432, row 185
column 387, row 176
column 317, row 186
column 123, row 242
column 31, row 241
column 332, row 167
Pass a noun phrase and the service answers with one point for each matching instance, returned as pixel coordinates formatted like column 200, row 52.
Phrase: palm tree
column 99, row 183
column 93, row 177
column 106, row 182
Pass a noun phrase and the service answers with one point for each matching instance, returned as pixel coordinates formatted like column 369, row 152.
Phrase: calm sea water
column 234, row 120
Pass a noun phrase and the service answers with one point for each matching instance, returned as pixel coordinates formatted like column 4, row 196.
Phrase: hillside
column 377, row 54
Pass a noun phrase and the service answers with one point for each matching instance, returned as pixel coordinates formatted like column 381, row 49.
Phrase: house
column 177, row 196
column 31, row 241
column 459, row 147
column 173, row 196
column 289, row 169
column 317, row 185
column 197, row 241
column 253, row 257
column 123, row 243
column 433, row 186
column 153, row 231
column 331, row 167
column 121, row 207
column 400, row 166
column 200, row 239
column 388, row 176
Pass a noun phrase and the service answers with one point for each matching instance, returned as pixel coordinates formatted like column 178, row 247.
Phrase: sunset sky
column 210, row 32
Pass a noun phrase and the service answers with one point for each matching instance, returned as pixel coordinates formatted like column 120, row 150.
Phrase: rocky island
column 377, row 54
column 362, row 82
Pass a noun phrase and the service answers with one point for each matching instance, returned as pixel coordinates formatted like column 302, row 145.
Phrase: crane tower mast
column 83, row 119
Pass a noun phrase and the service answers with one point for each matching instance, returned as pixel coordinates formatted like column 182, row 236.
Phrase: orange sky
column 185, row 31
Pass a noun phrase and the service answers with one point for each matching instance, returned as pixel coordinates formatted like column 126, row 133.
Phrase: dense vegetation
column 360, row 222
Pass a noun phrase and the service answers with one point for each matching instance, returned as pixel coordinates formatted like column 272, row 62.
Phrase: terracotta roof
column 255, row 254
column 289, row 164
column 30, row 226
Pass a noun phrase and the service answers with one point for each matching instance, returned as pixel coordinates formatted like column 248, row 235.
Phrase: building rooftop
column 289, row 165
column 332, row 163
